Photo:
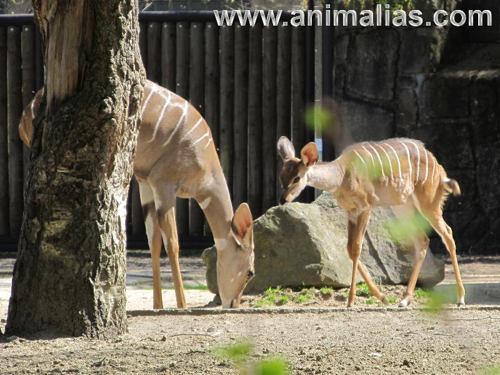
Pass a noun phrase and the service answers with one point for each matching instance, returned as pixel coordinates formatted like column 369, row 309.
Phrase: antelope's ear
column 285, row 148
column 309, row 154
column 242, row 225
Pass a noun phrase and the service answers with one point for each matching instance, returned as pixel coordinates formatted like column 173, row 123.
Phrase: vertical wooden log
column 28, row 67
column 135, row 220
column 227, row 102
column 284, row 97
column 197, row 99
column 269, row 92
column 168, row 55
column 240, row 168
column 298, row 87
column 299, row 93
column 212, row 80
column 255, row 121
column 182, row 89
column 327, row 59
column 15, row 108
column 212, row 102
column 39, row 68
column 154, row 52
column 138, row 227
column 143, row 43
column 4, row 157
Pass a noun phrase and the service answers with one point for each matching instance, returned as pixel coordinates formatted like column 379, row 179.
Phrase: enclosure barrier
column 250, row 83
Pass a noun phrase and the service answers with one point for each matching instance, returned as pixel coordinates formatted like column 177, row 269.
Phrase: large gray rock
column 301, row 244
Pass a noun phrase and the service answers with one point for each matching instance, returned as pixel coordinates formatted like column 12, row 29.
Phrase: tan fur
column 397, row 172
column 176, row 156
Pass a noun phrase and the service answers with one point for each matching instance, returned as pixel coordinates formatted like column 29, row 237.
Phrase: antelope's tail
column 451, row 186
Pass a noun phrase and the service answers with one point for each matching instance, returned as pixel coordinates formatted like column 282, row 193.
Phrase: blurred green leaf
column 492, row 370
column 318, row 118
column 274, row 366
column 407, row 228
column 435, row 302
column 237, row 352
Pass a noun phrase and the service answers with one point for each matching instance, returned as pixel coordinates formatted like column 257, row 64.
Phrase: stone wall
column 439, row 85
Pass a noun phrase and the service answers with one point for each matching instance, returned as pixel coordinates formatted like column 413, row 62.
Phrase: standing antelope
column 397, row 172
column 176, row 156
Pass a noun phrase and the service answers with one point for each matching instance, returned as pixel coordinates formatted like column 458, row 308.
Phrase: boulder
column 305, row 244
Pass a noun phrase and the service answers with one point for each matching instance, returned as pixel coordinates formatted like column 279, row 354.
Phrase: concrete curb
column 253, row 311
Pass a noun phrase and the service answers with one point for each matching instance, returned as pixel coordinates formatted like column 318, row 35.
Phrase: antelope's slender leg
column 420, row 242
column 435, row 218
column 154, row 238
column 166, row 218
column 371, row 285
column 356, row 231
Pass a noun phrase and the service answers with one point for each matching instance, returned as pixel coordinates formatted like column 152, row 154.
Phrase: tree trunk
column 69, row 277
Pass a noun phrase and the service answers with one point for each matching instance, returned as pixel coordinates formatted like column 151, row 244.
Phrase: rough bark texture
column 69, row 277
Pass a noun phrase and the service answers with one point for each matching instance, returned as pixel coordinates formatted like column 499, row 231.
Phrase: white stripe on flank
column 426, row 165
column 409, row 158
column 388, row 158
column 183, row 116
column 418, row 162
column 204, row 136
column 33, row 109
column 369, row 153
column 362, row 160
column 157, row 125
column 433, row 168
column 208, row 143
column 397, row 158
column 194, row 127
column 153, row 90
column 162, row 95
column 379, row 159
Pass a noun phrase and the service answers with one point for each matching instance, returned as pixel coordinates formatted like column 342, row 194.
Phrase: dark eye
column 249, row 274
column 296, row 179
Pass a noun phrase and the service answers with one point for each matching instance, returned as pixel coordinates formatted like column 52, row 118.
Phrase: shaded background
column 439, row 85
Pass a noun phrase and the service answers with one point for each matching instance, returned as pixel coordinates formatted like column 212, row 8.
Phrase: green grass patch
column 305, row 295
column 392, row 299
column 326, row 291
column 283, row 300
column 272, row 296
column 371, row 301
column 363, row 290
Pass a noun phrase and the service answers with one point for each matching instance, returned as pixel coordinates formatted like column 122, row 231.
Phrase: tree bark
column 69, row 277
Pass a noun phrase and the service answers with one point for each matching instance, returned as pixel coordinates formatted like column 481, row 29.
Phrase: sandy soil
column 334, row 342
column 315, row 337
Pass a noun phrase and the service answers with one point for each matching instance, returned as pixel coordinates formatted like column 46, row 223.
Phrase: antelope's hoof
column 404, row 303
column 461, row 302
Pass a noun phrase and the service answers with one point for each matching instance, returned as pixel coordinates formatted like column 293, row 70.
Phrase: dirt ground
column 318, row 336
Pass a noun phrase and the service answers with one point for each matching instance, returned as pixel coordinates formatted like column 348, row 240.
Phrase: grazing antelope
column 397, row 172
column 176, row 156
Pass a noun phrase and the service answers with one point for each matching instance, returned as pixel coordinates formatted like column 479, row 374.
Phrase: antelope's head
column 235, row 258
column 293, row 175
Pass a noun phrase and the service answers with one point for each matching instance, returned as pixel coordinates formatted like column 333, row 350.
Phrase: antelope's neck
column 218, row 209
column 327, row 176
